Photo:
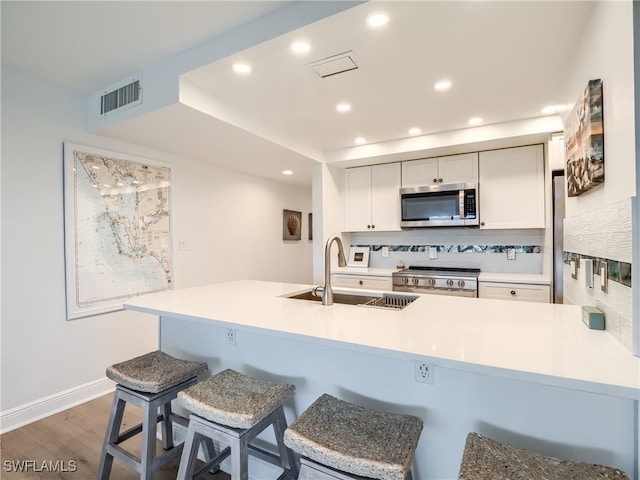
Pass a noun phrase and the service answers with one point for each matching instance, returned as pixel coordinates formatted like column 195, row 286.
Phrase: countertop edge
column 140, row 304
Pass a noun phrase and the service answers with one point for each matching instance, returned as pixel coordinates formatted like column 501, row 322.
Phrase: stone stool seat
column 233, row 409
column 488, row 459
column 353, row 441
column 150, row 382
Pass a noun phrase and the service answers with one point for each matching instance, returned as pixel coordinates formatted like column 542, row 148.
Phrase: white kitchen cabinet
column 368, row 282
column 511, row 188
column 441, row 170
column 520, row 292
column 371, row 198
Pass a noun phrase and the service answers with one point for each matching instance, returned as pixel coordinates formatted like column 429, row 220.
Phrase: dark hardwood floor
column 67, row 446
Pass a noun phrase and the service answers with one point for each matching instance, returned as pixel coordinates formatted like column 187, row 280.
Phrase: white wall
column 232, row 223
column 606, row 52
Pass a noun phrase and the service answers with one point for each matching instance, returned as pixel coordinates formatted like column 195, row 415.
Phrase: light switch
column 433, row 252
column 588, row 272
column 603, row 276
column 511, row 253
column 574, row 269
column 385, row 252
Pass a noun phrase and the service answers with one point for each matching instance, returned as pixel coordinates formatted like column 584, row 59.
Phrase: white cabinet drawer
column 370, row 282
column 521, row 292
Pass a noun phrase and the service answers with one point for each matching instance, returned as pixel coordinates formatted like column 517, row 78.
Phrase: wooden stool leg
column 239, row 459
column 189, row 454
column 111, row 436
column 148, row 451
column 286, row 456
column 210, row 451
column 167, row 426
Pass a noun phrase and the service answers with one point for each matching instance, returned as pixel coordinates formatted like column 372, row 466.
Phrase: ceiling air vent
column 121, row 95
column 326, row 67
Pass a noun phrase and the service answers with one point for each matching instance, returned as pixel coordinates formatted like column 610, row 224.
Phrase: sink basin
column 385, row 300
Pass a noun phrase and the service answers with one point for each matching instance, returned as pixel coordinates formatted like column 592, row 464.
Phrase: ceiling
column 506, row 61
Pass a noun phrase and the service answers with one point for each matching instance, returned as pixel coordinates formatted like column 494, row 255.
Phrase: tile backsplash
column 456, row 247
column 602, row 235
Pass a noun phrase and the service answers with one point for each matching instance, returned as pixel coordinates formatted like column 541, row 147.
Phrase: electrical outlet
column 511, row 253
column 424, row 372
column 385, row 252
column 231, row 337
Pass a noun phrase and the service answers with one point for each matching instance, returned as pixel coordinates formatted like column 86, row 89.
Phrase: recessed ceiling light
column 343, row 107
column 300, row 46
column 549, row 109
column 360, row 140
column 414, row 131
column 241, row 68
column 377, row 19
column 475, row 121
column 287, row 172
column 443, row 85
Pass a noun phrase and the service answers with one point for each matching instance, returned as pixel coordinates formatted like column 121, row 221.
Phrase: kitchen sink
column 385, row 300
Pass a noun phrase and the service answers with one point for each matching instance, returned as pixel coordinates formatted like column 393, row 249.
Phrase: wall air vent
column 341, row 63
column 122, row 95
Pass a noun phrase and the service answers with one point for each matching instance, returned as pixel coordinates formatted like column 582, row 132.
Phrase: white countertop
column 383, row 272
column 499, row 277
column 535, row 342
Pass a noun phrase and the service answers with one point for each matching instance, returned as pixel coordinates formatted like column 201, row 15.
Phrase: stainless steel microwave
column 439, row 206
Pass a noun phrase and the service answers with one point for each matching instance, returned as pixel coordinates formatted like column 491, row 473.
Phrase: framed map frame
column 118, row 235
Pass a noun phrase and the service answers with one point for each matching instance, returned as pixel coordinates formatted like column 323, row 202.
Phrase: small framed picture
column 291, row 225
column 358, row 257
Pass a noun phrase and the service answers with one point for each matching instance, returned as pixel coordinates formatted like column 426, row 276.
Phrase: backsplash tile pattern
column 602, row 235
column 616, row 271
column 456, row 248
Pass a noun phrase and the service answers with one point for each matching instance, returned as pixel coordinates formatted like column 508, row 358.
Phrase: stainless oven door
column 437, row 291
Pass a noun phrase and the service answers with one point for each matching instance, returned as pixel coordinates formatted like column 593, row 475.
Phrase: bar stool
column 149, row 382
column 340, row 440
column 488, row 459
column 233, row 409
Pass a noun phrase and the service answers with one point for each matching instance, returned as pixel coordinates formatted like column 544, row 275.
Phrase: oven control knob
column 405, row 280
column 415, row 281
column 449, row 283
column 432, row 281
column 461, row 283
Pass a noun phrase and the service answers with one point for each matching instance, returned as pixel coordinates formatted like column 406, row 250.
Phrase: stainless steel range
column 461, row 282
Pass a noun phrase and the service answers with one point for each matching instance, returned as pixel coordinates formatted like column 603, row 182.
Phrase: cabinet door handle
column 513, row 292
column 368, row 226
column 482, row 224
column 435, row 180
column 440, row 180
column 360, row 282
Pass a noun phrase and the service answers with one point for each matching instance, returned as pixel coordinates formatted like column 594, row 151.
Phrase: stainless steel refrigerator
column 558, row 187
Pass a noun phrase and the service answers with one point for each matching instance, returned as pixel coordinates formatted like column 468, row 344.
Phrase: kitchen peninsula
column 525, row 373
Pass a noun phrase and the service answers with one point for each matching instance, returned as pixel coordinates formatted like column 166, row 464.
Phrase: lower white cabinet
column 369, row 282
column 519, row 292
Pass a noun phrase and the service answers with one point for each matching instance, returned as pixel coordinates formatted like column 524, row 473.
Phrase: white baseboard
column 44, row 407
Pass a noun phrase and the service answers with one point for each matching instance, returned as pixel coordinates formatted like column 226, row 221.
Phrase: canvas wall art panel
column 584, row 136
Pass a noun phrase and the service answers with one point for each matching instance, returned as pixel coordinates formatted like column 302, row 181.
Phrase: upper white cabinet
column 371, row 199
column 442, row 170
column 511, row 188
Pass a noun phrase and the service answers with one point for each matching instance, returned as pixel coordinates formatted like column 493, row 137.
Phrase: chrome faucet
column 327, row 292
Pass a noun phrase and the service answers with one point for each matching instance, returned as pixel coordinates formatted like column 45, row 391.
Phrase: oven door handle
column 461, row 204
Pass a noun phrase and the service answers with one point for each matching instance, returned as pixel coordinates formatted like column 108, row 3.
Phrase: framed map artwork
column 118, row 240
